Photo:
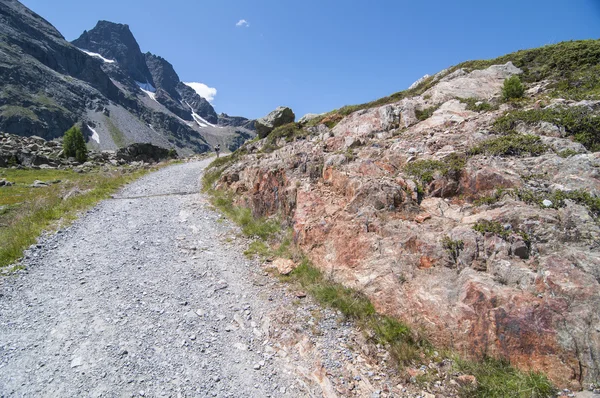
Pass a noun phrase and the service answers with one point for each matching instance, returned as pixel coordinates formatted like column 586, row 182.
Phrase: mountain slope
column 49, row 84
column 464, row 215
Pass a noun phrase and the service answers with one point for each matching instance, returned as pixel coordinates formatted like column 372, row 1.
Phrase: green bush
column 578, row 121
column 426, row 113
column 494, row 227
column 290, row 132
column 513, row 88
column 424, row 170
column 453, row 247
column 558, row 197
column 172, row 154
column 74, row 144
column 475, row 105
column 513, row 144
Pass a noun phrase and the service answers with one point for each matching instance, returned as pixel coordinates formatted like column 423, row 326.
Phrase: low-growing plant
column 453, row 247
column 578, row 121
column 494, row 227
column 426, row 113
column 290, row 132
column 403, row 344
column 496, row 378
column 558, row 197
column 424, row 170
column 258, row 248
column 513, row 144
column 46, row 209
column 567, row 153
column 491, row 199
column 475, row 105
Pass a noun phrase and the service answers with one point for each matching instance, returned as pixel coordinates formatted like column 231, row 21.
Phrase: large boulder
column 280, row 116
column 143, row 152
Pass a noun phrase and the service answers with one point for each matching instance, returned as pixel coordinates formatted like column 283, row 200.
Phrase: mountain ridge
column 50, row 84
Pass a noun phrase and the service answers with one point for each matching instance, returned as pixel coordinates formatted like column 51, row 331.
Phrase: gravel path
column 139, row 297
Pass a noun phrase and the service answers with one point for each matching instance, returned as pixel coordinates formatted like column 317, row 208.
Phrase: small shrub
column 494, row 227
column 290, row 132
column 584, row 198
column 578, row 121
column 511, row 145
column 424, row 170
column 513, row 88
column 453, row 247
column 490, row 200
column 476, row 105
column 172, row 154
column 567, row 153
column 426, row 113
column 74, row 144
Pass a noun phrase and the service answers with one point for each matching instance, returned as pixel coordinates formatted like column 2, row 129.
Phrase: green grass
column 578, row 121
column 258, row 248
column 30, row 211
column 404, row 345
column 510, row 145
column 12, row 110
column 498, row 379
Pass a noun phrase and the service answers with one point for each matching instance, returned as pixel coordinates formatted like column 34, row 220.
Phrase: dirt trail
column 139, row 297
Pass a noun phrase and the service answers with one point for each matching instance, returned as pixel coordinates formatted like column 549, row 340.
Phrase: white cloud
column 203, row 90
column 242, row 23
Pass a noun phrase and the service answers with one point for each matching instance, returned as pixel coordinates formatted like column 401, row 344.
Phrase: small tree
column 74, row 144
column 513, row 88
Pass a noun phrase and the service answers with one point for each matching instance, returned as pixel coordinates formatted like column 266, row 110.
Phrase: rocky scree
column 36, row 152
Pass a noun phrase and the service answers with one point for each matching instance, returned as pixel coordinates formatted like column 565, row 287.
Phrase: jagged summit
column 115, row 41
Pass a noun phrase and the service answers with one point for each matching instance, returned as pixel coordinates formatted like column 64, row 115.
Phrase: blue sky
column 315, row 56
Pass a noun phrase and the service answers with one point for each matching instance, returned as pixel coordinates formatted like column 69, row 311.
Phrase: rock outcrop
column 280, row 116
column 491, row 253
column 36, row 152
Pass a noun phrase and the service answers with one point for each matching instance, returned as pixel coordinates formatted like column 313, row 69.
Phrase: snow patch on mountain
column 208, row 93
column 95, row 135
column 199, row 119
column 148, row 88
column 96, row 55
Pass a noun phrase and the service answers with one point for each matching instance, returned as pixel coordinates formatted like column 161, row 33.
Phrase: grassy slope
column 26, row 212
column 572, row 67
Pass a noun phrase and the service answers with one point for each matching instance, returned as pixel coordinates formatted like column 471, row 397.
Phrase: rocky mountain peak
column 163, row 74
column 115, row 41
